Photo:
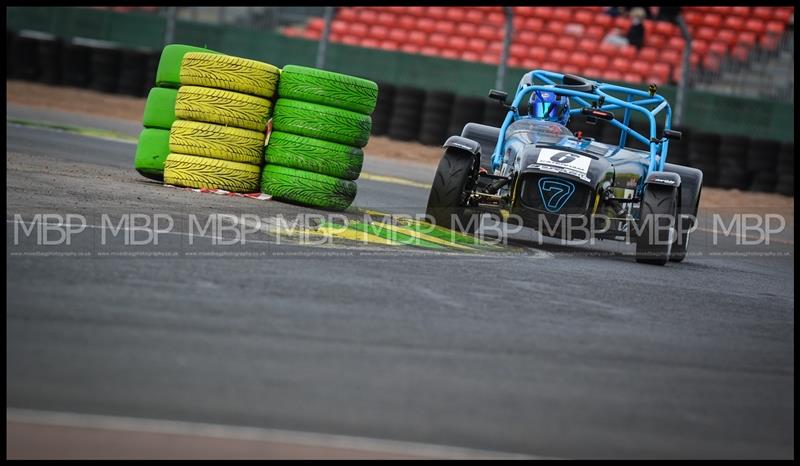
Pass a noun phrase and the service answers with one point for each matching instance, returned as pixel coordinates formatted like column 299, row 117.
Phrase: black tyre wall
column 466, row 110
column 406, row 119
column 383, row 109
column 133, row 67
column 436, row 117
column 105, row 69
column 75, row 64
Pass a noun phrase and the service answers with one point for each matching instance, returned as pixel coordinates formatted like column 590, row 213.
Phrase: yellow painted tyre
column 203, row 172
column 222, row 107
column 230, row 73
column 216, row 141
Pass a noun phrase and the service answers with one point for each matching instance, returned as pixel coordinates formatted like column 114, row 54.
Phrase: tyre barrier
column 704, row 155
column 785, row 183
column 465, row 110
column 733, row 173
column 436, row 117
column 383, row 109
column 405, row 121
column 762, row 163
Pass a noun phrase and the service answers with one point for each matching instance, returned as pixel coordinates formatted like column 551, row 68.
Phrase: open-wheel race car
column 533, row 170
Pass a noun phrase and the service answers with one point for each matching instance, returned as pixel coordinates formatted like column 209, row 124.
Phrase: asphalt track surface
column 553, row 351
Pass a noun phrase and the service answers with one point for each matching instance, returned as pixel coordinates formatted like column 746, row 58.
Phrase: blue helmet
column 549, row 106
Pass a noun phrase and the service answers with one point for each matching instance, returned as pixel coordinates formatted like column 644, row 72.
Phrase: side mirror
column 672, row 134
column 499, row 96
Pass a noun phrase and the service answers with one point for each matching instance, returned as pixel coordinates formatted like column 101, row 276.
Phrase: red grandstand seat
column 456, row 14
column 746, row 38
column 612, row 75
column 437, row 40
column 727, row 36
column 584, row 17
column 671, row 56
column 712, row 20
column 386, row 19
column 530, row 64
column 489, row 32
column 579, row 58
column 473, row 16
column 358, row 29
column 648, row 54
column 335, row 37
column 603, row 21
column 347, row 14
column 775, row 27
column 524, row 11
column 593, row 73
column 316, row 24
column 587, row 45
column 398, row 35
column 762, row 12
column 518, row 50
column 418, row 38
column 628, row 51
column 457, row 43
column 496, row 18
column 544, row 12
column 567, row 42
column 547, row 40
column 717, row 48
column 312, row 34
column 743, row 11
column 769, row 42
column 390, row 45
column 666, row 29
column 598, row 61
column 655, row 40
column 640, row 67
column 526, row 37
column 694, row 59
column 367, row 16
column 783, row 13
column 692, row 17
column 755, row 25
column 445, row 27
column 466, row 29
column 291, row 32
column 397, row 10
column 351, row 40
column 339, row 27
column 699, row 46
column 558, row 57
column 410, row 48
column 490, row 59
column 595, row 32
column 534, row 24
column 556, row 27
column 451, row 54
column 562, row 14
column 740, row 53
column 622, row 22
column 415, row 10
column 661, row 72
column 437, row 12
column 370, row 43
column 514, row 62
column 571, row 69
column 426, row 25
column 676, row 42
column 706, row 33
column 711, row 62
column 470, row 56
column 734, row 22
column 495, row 47
column 538, row 53
column 632, row 78
column 621, row 64
column 407, row 22
column 477, row 45
column 429, row 50
column 378, row 32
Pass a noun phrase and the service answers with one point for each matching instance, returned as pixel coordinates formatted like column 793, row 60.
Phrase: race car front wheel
column 656, row 226
column 446, row 203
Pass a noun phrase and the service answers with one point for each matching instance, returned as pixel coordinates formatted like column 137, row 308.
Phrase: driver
column 549, row 106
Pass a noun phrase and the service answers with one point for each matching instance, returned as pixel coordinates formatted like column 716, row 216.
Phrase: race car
column 534, row 171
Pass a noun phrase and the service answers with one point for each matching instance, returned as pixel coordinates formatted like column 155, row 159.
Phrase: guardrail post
column 501, row 68
column 323, row 41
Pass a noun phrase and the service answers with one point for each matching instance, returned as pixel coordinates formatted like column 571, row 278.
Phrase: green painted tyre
column 321, row 122
column 328, row 88
column 151, row 153
column 311, row 189
column 314, row 155
column 169, row 66
column 159, row 111
column 216, row 141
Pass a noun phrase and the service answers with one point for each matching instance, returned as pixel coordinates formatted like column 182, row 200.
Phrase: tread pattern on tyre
column 314, row 155
column 322, row 122
column 328, row 88
column 216, row 141
column 222, row 107
column 229, row 73
column 202, row 172
column 654, row 204
column 312, row 189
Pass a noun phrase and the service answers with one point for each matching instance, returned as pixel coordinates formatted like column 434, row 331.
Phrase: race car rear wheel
column 656, row 226
column 446, row 203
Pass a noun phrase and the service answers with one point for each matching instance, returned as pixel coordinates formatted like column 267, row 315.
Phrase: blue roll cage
column 601, row 90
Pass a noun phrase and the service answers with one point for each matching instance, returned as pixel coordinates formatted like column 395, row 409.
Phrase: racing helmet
column 549, row 106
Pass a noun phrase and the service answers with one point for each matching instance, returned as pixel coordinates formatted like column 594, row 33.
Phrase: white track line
column 311, row 439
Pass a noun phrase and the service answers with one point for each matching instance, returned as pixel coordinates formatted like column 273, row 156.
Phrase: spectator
column 636, row 32
column 615, row 11
column 616, row 37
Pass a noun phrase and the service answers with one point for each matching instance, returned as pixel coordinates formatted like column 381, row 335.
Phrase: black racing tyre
column 446, row 201
column 704, row 148
column 104, row 69
column 328, row 88
column 49, row 56
column 314, row 155
column 222, row 107
column 465, row 110
column 229, row 73
column 406, row 118
column 216, row 141
column 24, row 55
column 321, row 122
column 690, row 191
column 311, row 189
column 733, row 149
column 436, row 111
column 208, row 173
column 656, row 225
column 133, row 65
column 75, row 63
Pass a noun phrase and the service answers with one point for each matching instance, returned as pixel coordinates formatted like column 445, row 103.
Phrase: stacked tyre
column 436, row 117
column 159, row 110
column 383, row 109
column 786, row 170
column 704, row 155
column 222, row 108
column 320, row 125
column 732, row 162
column 405, row 122
column 762, row 163
column 465, row 110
